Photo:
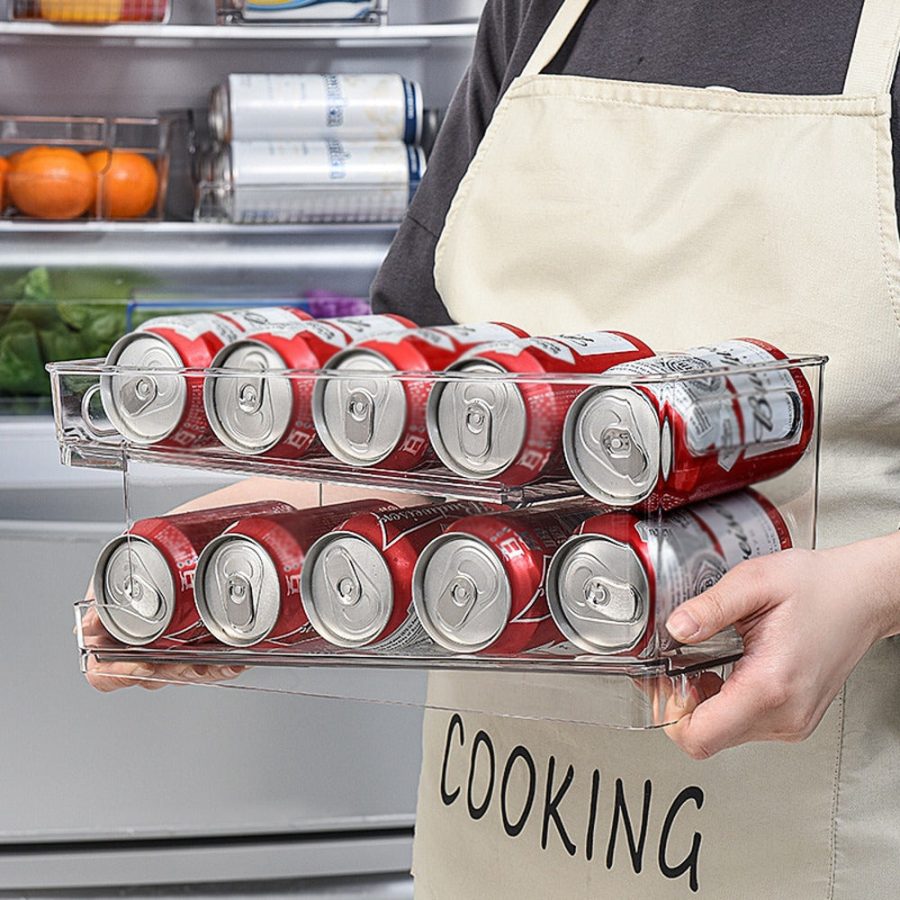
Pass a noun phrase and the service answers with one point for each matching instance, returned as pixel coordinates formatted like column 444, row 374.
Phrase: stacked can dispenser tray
column 646, row 484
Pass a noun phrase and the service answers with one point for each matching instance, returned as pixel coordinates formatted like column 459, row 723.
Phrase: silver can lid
column 461, row 593
column 134, row 590
column 347, row 590
column 249, row 413
column 477, row 427
column 237, row 589
column 614, row 445
column 599, row 594
column 360, row 419
column 220, row 113
column 144, row 408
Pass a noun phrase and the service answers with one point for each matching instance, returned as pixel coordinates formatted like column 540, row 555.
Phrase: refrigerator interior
column 185, row 785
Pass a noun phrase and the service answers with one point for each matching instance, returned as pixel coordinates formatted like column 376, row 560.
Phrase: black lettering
column 551, row 807
column 691, row 861
column 592, row 816
column 519, row 752
column 636, row 849
column 476, row 812
column 448, row 798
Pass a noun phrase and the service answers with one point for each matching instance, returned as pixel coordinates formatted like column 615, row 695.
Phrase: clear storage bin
column 308, row 182
column 313, row 12
column 83, row 168
column 560, row 596
column 92, row 12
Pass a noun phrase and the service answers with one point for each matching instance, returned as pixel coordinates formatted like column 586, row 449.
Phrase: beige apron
column 686, row 215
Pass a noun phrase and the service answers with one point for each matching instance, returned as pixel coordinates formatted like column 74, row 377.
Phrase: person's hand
column 806, row 618
column 112, row 676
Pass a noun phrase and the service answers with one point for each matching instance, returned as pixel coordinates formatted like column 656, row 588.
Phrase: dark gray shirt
column 768, row 46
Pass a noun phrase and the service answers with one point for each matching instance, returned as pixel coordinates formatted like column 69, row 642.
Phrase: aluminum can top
column 477, row 428
column 237, row 590
column 462, row 593
column 599, row 593
column 220, row 112
column 249, row 413
column 360, row 419
column 134, row 590
column 347, row 589
column 615, row 442
column 145, row 408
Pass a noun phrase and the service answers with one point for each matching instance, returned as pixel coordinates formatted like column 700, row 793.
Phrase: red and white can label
column 697, row 545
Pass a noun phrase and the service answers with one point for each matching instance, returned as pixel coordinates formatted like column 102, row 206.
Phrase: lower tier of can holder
column 590, row 690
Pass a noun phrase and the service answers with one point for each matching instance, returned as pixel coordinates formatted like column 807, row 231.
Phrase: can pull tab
column 348, row 584
column 476, row 428
column 138, row 393
column 457, row 600
column 239, row 606
column 360, row 416
column 619, row 445
column 250, row 392
column 137, row 594
column 608, row 598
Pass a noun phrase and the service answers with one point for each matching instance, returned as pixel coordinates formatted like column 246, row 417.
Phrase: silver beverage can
column 149, row 407
column 135, row 590
column 612, row 586
column 324, row 11
column 695, row 432
column 357, row 581
column 253, row 412
column 317, row 108
column 279, row 182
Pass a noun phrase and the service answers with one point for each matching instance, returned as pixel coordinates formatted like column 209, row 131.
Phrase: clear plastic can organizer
column 527, row 511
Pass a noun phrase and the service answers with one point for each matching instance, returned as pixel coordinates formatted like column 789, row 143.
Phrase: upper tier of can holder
column 87, row 437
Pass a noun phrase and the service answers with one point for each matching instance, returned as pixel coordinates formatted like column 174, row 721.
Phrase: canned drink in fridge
column 167, row 409
column 373, row 419
column 310, row 10
column 276, row 182
column 317, row 108
column 613, row 585
column 704, row 431
column 357, row 582
column 510, row 430
column 144, row 579
column 247, row 585
column 253, row 412
column 479, row 587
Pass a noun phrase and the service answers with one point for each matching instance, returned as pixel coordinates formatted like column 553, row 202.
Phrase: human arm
column 806, row 618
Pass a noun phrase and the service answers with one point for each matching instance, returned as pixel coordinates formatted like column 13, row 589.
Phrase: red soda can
column 144, row 10
column 247, row 586
column 144, row 579
column 479, row 587
column 510, row 430
column 370, row 419
column 167, row 409
column 699, row 432
column 613, row 585
column 256, row 413
column 357, row 582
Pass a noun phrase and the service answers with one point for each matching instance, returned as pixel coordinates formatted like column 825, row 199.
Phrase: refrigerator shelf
column 413, row 38
column 616, row 693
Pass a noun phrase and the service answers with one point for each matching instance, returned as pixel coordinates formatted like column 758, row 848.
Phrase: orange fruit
column 4, row 169
column 127, row 183
column 51, row 183
column 81, row 10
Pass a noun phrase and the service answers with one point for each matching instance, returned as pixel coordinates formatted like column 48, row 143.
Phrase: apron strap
column 555, row 36
column 874, row 58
